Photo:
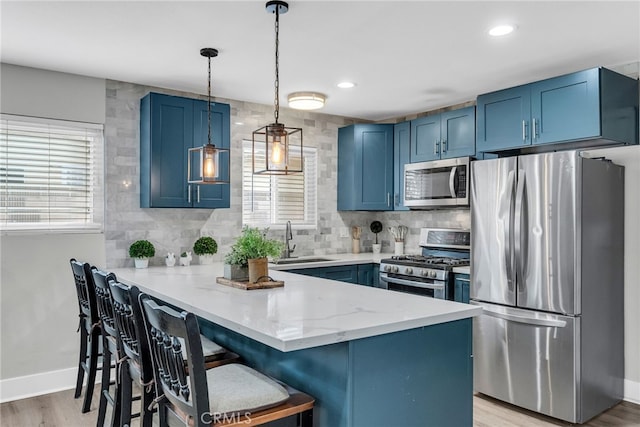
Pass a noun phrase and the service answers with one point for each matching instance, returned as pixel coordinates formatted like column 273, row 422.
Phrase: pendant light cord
column 277, row 82
column 209, row 104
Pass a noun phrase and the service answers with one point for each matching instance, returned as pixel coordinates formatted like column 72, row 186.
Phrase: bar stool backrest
column 130, row 325
column 105, row 302
column 86, row 293
column 164, row 326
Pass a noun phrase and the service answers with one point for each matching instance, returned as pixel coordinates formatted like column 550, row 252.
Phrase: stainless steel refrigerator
column 547, row 267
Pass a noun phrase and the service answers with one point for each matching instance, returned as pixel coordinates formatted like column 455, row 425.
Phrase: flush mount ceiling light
column 204, row 165
column 306, row 100
column 282, row 145
column 346, row 85
column 502, row 30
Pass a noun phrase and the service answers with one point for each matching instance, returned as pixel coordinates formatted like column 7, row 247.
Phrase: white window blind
column 272, row 200
column 50, row 174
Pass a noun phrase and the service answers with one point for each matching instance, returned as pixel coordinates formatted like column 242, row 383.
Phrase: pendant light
column 283, row 145
column 208, row 164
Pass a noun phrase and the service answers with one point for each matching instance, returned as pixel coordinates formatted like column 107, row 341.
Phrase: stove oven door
column 412, row 285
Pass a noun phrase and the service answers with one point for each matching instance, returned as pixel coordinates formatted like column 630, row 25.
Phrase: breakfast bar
column 369, row 356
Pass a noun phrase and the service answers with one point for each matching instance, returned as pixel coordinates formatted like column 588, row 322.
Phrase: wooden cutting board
column 248, row 286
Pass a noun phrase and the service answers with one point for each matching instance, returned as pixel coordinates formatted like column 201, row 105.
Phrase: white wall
column 630, row 157
column 38, row 305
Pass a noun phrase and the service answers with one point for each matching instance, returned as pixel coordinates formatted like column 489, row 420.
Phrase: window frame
column 311, row 224
column 95, row 166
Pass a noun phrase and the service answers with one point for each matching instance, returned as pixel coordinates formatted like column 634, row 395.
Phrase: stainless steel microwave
column 440, row 183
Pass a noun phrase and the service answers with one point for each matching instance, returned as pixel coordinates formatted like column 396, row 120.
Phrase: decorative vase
column 205, row 259
column 355, row 246
column 186, row 260
column 170, row 259
column 236, row 272
column 399, row 248
column 258, row 268
column 141, row 262
column 376, row 248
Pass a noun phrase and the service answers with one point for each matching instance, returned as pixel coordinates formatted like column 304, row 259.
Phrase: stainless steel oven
column 440, row 183
column 429, row 274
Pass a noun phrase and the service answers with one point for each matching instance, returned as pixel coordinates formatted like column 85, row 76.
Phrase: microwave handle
column 453, row 181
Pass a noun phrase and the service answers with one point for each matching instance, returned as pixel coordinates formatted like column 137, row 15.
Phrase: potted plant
column 205, row 247
column 185, row 258
column 141, row 251
column 376, row 227
column 252, row 249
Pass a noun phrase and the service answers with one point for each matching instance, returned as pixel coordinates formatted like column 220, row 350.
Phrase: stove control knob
column 394, row 270
column 432, row 274
column 409, row 270
column 424, row 273
column 387, row 268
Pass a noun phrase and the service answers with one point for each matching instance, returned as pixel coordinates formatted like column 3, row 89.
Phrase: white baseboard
column 39, row 384
column 632, row 391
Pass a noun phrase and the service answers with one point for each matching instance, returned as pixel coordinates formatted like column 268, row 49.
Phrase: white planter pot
column 376, row 248
column 205, row 259
column 141, row 262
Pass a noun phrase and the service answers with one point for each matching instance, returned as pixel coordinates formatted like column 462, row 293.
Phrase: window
column 50, row 174
column 272, row 200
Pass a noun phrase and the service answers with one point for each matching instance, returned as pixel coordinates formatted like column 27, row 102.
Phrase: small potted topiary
column 141, row 251
column 252, row 249
column 205, row 247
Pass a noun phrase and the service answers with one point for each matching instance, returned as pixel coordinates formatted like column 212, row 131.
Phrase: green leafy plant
column 205, row 246
column 253, row 243
column 142, row 249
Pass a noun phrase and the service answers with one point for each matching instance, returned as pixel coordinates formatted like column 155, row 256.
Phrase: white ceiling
column 406, row 57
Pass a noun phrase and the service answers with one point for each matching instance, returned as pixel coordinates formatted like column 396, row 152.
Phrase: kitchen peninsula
column 370, row 357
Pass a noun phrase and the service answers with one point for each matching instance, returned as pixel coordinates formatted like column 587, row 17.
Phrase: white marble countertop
column 306, row 312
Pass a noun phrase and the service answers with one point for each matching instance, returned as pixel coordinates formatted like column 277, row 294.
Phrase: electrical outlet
column 344, row 232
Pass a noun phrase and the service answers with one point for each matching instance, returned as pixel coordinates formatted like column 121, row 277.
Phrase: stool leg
column 125, row 394
column 146, row 415
column 104, row 386
column 306, row 418
column 82, row 358
column 93, row 367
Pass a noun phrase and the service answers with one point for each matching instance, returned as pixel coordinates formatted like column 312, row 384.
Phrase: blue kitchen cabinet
column 365, row 167
column 362, row 274
column 169, row 126
column 376, row 275
column 595, row 104
column 461, row 288
column 443, row 136
column 401, row 154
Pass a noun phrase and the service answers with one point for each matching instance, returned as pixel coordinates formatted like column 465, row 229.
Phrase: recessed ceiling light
column 346, row 85
column 502, row 30
column 306, row 100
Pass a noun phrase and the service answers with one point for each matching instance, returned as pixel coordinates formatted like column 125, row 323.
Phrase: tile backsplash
column 176, row 230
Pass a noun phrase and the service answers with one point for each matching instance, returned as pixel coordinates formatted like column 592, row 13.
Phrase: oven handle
column 387, row 279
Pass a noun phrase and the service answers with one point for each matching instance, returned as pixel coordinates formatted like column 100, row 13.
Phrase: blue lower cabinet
column 360, row 274
column 461, row 288
column 376, row 275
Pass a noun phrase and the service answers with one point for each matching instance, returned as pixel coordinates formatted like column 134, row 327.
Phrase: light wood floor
column 62, row 410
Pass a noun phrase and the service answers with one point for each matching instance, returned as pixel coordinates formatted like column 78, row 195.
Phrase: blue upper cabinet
column 425, row 138
column 443, row 136
column 365, row 167
column 169, row 126
column 503, row 120
column 595, row 104
column 401, row 153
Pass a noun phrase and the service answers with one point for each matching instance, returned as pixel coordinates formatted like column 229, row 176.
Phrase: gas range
column 428, row 274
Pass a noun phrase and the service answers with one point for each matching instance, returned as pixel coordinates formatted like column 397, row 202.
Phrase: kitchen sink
column 301, row 260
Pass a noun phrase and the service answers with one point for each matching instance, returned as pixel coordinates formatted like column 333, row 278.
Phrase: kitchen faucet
column 288, row 236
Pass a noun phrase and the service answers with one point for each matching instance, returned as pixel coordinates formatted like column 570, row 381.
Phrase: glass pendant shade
column 282, row 148
column 208, row 165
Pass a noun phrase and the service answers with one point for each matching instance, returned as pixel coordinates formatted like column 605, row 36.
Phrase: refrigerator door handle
column 529, row 320
column 508, row 251
column 518, row 234
column 452, row 181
